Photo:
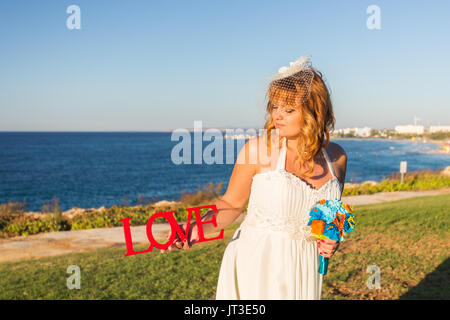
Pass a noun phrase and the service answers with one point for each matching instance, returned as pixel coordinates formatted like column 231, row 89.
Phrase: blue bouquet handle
column 323, row 265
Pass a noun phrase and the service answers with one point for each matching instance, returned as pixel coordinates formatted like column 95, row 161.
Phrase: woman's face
column 287, row 120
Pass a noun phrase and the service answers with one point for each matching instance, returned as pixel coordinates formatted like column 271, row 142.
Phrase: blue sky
column 161, row 65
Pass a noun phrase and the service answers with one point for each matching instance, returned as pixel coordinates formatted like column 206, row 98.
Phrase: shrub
column 416, row 180
column 10, row 211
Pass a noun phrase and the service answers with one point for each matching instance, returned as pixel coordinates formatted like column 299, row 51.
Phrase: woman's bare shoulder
column 338, row 158
column 256, row 154
column 335, row 151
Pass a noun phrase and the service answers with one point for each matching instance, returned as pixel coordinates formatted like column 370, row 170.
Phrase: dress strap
column 330, row 166
column 282, row 158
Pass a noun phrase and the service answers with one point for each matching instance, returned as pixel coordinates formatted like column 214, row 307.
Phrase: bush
column 440, row 135
column 201, row 196
column 10, row 211
column 416, row 180
column 24, row 226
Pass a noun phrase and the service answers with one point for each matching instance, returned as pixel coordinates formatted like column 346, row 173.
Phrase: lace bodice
column 281, row 202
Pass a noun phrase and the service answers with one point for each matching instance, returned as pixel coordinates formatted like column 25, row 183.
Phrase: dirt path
column 55, row 243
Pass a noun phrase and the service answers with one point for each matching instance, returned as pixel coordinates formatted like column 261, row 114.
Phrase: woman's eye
column 288, row 110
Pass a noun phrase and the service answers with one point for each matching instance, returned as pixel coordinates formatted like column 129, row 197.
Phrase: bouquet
column 330, row 219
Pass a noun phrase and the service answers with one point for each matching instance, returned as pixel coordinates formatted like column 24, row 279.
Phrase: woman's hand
column 180, row 244
column 327, row 247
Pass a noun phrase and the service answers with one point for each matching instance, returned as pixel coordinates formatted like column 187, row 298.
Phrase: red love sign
column 175, row 229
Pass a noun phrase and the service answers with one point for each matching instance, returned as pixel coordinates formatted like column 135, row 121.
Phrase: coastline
column 443, row 143
column 70, row 213
column 164, row 204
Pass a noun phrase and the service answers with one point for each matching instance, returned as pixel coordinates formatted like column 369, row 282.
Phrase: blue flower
column 328, row 213
column 331, row 231
column 316, row 213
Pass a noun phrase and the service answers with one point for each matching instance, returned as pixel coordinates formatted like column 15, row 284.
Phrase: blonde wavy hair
column 316, row 114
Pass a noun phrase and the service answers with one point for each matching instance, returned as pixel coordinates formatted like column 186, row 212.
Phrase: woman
column 272, row 254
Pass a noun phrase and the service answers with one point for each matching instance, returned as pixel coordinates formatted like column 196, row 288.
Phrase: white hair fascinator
column 294, row 80
column 294, row 67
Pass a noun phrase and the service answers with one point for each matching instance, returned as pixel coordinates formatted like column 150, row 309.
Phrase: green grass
column 408, row 240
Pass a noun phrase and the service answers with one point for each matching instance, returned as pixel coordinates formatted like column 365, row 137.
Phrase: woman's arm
column 328, row 247
column 339, row 161
column 232, row 203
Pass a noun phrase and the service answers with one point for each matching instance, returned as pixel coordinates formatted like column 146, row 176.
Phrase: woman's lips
column 279, row 125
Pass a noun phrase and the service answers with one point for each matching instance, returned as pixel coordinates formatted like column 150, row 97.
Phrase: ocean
column 94, row 169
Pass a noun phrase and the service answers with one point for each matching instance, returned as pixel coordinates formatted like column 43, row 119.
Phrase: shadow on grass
column 435, row 285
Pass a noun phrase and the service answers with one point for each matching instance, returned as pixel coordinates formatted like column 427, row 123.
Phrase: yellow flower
column 351, row 222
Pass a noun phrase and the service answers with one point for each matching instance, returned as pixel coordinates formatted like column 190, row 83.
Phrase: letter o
column 169, row 217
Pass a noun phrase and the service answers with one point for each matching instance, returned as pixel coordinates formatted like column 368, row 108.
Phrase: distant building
column 439, row 129
column 410, row 129
column 239, row 136
column 361, row 132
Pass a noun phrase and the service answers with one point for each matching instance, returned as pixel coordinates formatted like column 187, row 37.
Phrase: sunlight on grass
column 408, row 240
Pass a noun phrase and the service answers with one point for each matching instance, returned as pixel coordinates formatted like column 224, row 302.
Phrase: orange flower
column 339, row 221
column 348, row 208
column 317, row 226
column 322, row 201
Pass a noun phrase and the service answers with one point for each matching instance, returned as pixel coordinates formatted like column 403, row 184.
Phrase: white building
column 410, row 128
column 439, row 128
column 361, row 132
column 239, row 136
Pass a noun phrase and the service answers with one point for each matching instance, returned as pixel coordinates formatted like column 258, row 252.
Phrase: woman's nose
column 277, row 115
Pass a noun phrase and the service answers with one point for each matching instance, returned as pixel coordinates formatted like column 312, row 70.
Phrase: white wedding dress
column 269, row 255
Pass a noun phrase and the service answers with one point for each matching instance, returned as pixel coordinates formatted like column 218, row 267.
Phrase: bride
column 272, row 254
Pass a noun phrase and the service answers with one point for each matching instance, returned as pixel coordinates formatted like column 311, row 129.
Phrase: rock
column 73, row 212
column 371, row 182
column 446, row 171
column 35, row 215
column 164, row 203
column 354, row 185
column 351, row 185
